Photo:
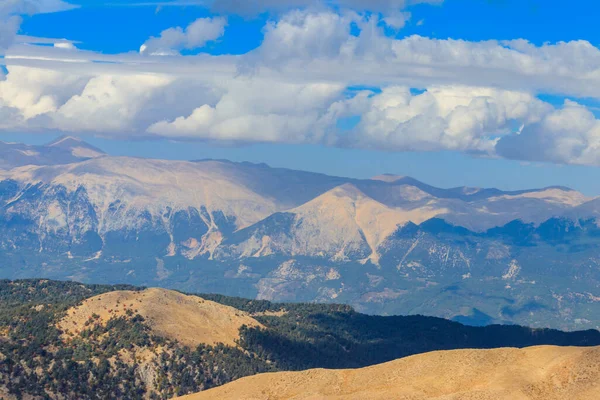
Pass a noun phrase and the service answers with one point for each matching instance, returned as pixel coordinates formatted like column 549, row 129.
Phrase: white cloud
column 318, row 46
column 480, row 97
column 261, row 109
column 258, row 110
column 34, row 91
column 196, row 35
column 11, row 10
column 108, row 104
column 306, row 36
column 456, row 118
column 65, row 45
column 570, row 135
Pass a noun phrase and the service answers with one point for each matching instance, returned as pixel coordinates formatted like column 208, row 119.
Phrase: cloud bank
column 316, row 69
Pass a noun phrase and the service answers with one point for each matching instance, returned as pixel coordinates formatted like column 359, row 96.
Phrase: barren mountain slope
column 141, row 186
column 341, row 224
column 536, row 373
column 189, row 319
column 344, row 218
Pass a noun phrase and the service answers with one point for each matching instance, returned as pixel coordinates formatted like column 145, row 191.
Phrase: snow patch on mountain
column 513, row 271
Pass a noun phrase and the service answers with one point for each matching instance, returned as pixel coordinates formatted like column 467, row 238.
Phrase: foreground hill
column 65, row 340
column 534, row 373
column 190, row 320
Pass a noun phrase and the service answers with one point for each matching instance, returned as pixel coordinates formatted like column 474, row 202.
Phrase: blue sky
column 117, row 26
column 464, row 152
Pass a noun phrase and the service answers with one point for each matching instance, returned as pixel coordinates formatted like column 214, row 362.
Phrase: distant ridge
column 63, row 150
column 76, row 146
column 388, row 245
column 388, row 178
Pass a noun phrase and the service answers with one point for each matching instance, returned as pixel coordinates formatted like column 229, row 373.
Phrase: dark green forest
column 102, row 362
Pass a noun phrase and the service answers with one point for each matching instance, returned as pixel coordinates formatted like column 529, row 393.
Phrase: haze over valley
column 386, row 245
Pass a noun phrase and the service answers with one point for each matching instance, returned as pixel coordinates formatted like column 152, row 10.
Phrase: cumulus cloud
column 257, row 110
column 34, row 91
column 459, row 118
column 305, row 36
column 244, row 109
column 445, row 118
column 120, row 104
column 321, row 45
column 570, row 135
column 196, row 35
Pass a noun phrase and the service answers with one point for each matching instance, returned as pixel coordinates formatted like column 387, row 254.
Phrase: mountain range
column 63, row 150
column 386, row 245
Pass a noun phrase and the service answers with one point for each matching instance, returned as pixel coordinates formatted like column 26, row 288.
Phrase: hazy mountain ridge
column 63, row 150
column 140, row 194
column 384, row 245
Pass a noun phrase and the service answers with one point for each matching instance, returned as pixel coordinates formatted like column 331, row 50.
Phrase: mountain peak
column 388, row 178
column 64, row 140
column 364, row 223
column 347, row 190
column 76, row 146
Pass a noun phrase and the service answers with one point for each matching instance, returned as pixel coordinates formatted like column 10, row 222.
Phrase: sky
column 500, row 93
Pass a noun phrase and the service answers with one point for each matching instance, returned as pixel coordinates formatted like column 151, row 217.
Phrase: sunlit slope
column 190, row 320
column 543, row 373
column 341, row 224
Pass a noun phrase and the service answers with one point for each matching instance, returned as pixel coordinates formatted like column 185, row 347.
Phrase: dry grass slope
column 535, row 373
column 189, row 319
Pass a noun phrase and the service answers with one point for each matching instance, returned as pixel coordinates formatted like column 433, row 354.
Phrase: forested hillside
column 126, row 356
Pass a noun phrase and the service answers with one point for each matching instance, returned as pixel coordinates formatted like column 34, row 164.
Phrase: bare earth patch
column 536, row 373
column 189, row 319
